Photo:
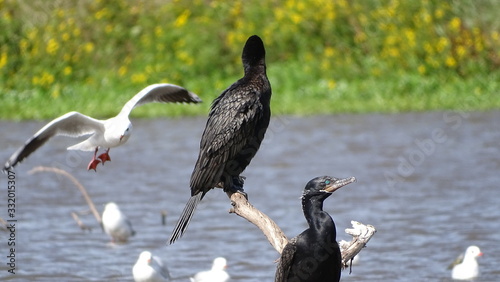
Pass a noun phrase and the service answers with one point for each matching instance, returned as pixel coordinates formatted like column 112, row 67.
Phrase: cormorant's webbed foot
column 237, row 186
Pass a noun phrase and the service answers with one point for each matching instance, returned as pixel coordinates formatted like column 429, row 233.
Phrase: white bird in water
column 116, row 224
column 216, row 274
column 465, row 267
column 149, row 268
column 108, row 133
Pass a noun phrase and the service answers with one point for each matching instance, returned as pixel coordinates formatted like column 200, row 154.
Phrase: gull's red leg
column 104, row 156
column 94, row 162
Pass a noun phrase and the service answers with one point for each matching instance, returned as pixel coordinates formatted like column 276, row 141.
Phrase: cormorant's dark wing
column 285, row 262
column 231, row 125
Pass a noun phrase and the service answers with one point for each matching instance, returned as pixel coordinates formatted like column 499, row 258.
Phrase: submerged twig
column 163, row 217
column 79, row 222
column 77, row 184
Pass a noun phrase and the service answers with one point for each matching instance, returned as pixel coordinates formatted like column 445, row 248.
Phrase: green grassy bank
column 323, row 56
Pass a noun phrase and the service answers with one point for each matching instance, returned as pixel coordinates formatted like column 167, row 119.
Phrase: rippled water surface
column 429, row 183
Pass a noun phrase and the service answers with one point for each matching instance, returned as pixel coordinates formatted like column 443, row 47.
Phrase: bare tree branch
column 361, row 234
column 77, row 184
column 271, row 230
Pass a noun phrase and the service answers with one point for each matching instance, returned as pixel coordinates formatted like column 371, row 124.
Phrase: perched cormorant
column 236, row 125
column 314, row 255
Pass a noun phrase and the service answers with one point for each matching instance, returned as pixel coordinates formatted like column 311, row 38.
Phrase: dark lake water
column 429, row 183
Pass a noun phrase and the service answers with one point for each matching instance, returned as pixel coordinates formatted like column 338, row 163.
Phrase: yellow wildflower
column 108, row 28
column 331, row 84
column 122, row 71
column 455, row 24
column 421, row 69
column 426, row 17
column 450, row 62
column 32, row 34
column 56, row 92
column 182, row 18
column 65, row 36
column 158, row 31
column 23, row 45
column 60, row 13
column 410, row 36
column 279, row 14
column 35, row 80
column 442, row 43
column 495, row 35
column 52, row 46
column 3, row 59
column 67, row 70
column 101, row 13
column 88, row 47
column 329, row 52
column 438, row 13
column 48, row 78
column 296, row 18
column 185, row 58
column 45, row 79
column 62, row 26
column 139, row 78
column 394, row 52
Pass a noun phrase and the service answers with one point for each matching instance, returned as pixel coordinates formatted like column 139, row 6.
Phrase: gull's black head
column 324, row 186
column 253, row 53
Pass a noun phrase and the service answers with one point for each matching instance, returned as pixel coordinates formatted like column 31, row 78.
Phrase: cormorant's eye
column 327, row 182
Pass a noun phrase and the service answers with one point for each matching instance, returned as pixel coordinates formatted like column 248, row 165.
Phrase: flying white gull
column 465, row 267
column 108, row 133
column 116, row 224
column 149, row 268
column 216, row 274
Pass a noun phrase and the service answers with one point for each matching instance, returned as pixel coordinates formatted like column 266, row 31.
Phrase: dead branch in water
column 77, row 184
column 79, row 222
column 361, row 233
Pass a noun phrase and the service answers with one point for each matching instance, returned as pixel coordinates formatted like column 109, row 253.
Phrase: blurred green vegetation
column 323, row 56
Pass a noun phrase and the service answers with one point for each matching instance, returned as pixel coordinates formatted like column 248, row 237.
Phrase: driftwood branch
column 271, row 230
column 78, row 185
column 361, row 233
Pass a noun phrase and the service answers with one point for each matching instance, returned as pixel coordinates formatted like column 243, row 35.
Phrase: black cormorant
column 314, row 255
column 236, row 125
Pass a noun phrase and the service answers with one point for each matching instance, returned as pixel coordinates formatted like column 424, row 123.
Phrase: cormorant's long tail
column 185, row 218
